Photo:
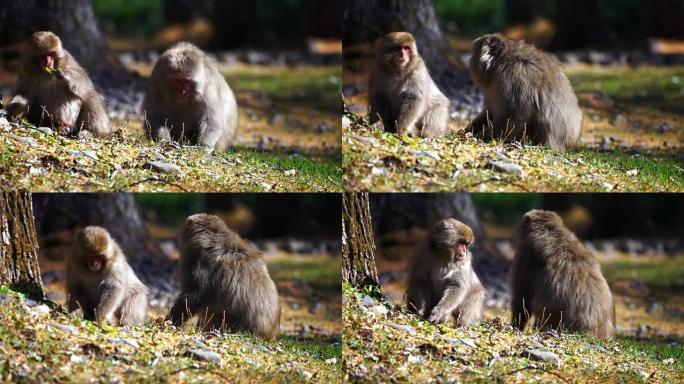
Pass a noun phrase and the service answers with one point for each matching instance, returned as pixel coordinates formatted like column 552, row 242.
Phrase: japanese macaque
column 401, row 92
column 188, row 98
column 556, row 279
column 442, row 283
column 53, row 89
column 100, row 281
column 527, row 95
column 224, row 281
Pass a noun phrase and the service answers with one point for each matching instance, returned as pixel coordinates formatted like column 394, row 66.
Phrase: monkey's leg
column 470, row 310
column 435, row 121
column 185, row 307
column 210, row 131
column 451, row 299
column 110, row 300
column 133, row 309
column 520, row 303
column 380, row 111
column 481, row 126
column 93, row 118
column 412, row 109
column 417, row 301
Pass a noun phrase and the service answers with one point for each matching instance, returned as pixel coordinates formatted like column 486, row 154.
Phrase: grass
column 287, row 154
column 393, row 346
column 631, row 155
column 54, row 347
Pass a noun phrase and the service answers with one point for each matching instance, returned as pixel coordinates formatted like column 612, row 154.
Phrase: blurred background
column 299, row 235
column 637, row 238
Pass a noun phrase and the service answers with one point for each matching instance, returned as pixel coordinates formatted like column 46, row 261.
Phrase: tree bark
column 72, row 20
column 579, row 24
column 179, row 11
column 367, row 20
column 117, row 212
column 663, row 18
column 393, row 212
column 358, row 260
column 322, row 18
column 235, row 23
column 19, row 245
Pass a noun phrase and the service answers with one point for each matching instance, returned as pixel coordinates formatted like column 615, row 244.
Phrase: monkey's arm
column 77, row 298
column 93, row 119
column 520, row 300
column 156, row 126
column 110, row 300
column 76, row 80
column 379, row 108
column 210, row 130
column 451, row 299
column 412, row 108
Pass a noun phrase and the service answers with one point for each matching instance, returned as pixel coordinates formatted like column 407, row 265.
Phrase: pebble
column 535, row 354
column 505, row 167
column 203, row 355
column 458, row 341
column 163, row 167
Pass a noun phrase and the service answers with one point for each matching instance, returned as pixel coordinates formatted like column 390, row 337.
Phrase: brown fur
column 224, row 281
column 527, row 94
column 113, row 293
column 405, row 98
column 557, row 280
column 208, row 118
column 442, row 283
column 66, row 99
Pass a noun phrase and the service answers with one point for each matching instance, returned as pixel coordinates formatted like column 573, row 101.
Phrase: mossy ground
column 379, row 347
column 288, row 140
column 632, row 140
column 56, row 347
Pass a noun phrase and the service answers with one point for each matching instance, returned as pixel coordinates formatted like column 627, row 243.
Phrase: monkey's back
column 571, row 288
column 537, row 96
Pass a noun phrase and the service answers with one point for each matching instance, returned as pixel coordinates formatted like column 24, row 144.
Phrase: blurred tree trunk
column 663, row 18
column 366, row 20
column 180, row 11
column 522, row 11
column 19, row 245
column 72, row 20
column 117, row 212
column 395, row 212
column 358, row 260
column 578, row 24
column 322, row 18
column 235, row 23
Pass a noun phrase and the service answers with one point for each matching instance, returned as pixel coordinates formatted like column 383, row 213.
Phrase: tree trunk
column 179, row 11
column 321, row 18
column 235, row 23
column 358, row 261
column 366, row 20
column 72, row 20
column 19, row 245
column 579, row 24
column 117, row 212
column 663, row 18
column 393, row 212
column 523, row 11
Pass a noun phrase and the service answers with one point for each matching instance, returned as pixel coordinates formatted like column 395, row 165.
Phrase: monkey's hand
column 18, row 106
column 437, row 317
column 77, row 81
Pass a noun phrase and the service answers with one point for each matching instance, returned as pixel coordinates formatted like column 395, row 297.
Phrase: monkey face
column 94, row 262
column 398, row 49
column 45, row 49
column 94, row 247
column 451, row 238
column 183, row 89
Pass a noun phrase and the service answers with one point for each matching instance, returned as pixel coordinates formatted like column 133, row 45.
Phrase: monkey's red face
column 183, row 88
column 95, row 262
column 462, row 248
column 403, row 55
column 46, row 61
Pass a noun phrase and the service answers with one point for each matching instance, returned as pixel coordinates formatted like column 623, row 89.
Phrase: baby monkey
column 100, row 281
column 556, row 279
column 224, row 281
column 442, row 284
column 401, row 92
column 53, row 88
column 527, row 94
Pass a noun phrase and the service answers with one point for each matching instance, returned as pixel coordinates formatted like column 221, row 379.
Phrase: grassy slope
column 297, row 159
column 309, row 349
column 611, row 157
column 398, row 347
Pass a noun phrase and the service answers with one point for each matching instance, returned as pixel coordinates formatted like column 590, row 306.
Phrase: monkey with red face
column 188, row 99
